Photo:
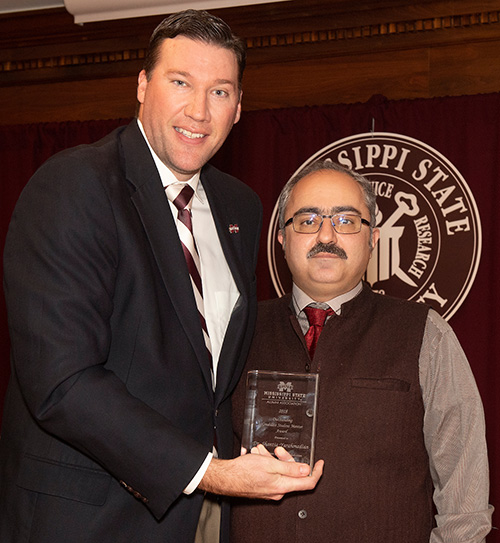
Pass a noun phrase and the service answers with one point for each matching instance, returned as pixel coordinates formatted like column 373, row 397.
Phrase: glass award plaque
column 280, row 410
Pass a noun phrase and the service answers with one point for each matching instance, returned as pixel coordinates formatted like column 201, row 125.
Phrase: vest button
column 302, row 514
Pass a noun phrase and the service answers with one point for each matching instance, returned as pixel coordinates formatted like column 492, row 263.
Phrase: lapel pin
column 234, row 229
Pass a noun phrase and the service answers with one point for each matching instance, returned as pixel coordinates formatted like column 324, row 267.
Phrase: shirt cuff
column 195, row 481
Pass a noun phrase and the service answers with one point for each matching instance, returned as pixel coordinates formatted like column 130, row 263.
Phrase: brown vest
column 376, row 486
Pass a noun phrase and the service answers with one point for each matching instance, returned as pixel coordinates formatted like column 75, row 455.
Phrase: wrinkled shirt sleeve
column 454, row 433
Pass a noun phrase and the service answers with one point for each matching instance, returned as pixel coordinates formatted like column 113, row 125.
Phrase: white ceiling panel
column 7, row 6
column 97, row 10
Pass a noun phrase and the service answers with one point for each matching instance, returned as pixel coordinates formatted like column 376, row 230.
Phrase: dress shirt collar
column 167, row 176
column 301, row 299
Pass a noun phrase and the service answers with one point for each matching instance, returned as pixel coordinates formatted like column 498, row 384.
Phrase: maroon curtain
column 264, row 150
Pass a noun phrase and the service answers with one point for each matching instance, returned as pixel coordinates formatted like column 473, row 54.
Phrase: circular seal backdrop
column 430, row 231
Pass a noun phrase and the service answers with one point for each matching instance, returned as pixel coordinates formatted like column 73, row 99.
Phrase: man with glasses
column 399, row 419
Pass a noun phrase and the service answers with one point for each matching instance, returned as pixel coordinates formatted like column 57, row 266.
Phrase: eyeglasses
column 310, row 223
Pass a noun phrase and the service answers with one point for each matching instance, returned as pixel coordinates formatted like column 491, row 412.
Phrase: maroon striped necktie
column 181, row 195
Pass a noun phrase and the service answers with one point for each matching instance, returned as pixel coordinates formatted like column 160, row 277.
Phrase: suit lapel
column 220, row 206
column 154, row 211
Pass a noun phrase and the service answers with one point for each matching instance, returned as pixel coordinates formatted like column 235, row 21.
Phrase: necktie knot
column 180, row 195
column 317, row 318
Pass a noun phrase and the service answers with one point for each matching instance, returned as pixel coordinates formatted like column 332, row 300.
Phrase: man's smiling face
column 190, row 103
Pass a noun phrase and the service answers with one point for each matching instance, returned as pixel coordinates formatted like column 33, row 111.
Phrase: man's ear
column 281, row 239
column 375, row 238
column 142, row 83
column 238, row 110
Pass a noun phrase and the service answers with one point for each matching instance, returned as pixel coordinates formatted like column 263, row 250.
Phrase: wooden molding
column 300, row 53
column 68, row 61
column 100, row 60
column 396, row 28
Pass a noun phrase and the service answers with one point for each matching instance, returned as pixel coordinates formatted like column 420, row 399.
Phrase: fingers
column 293, row 483
column 259, row 475
column 283, row 455
column 260, row 449
column 280, row 452
column 317, row 471
column 299, row 470
column 288, row 467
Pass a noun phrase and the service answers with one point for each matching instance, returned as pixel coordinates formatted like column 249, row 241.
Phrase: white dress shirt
column 220, row 292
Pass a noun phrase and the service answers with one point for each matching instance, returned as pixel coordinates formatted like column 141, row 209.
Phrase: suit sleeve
column 60, row 266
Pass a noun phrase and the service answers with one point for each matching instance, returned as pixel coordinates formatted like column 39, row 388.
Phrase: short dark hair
column 327, row 165
column 197, row 25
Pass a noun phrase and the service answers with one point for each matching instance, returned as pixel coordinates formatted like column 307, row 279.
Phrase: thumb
column 293, row 469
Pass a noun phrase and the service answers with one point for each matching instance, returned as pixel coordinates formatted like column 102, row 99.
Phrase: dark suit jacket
column 110, row 412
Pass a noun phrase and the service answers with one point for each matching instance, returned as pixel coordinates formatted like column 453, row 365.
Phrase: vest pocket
column 381, row 384
column 72, row 482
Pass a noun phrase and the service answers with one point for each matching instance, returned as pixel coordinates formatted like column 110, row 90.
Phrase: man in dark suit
column 400, row 422
column 119, row 402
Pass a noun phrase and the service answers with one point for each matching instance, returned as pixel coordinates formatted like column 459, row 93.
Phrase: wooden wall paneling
column 342, row 79
column 459, row 70
column 326, row 51
column 87, row 100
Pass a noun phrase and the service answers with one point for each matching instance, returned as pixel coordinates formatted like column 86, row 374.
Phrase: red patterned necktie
column 181, row 195
column 317, row 318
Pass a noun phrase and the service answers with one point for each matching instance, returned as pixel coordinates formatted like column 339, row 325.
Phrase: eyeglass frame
column 323, row 217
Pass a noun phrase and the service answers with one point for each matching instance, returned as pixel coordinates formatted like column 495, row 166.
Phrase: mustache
column 331, row 248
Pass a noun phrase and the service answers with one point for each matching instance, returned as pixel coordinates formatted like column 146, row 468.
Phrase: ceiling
column 7, row 6
column 92, row 10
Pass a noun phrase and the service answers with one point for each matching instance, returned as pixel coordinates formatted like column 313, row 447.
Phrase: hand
column 260, row 475
column 280, row 453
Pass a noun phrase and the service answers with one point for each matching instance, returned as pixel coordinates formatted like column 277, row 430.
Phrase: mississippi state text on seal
column 430, row 230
